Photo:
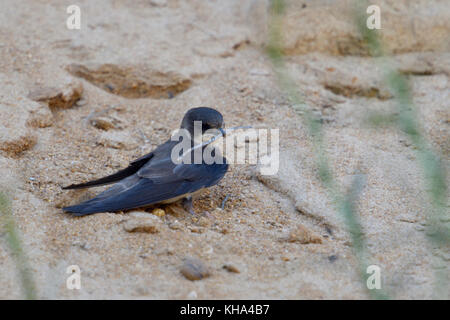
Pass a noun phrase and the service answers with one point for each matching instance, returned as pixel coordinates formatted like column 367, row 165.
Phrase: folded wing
column 153, row 183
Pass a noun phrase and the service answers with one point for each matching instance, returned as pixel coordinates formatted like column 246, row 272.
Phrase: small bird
column 155, row 178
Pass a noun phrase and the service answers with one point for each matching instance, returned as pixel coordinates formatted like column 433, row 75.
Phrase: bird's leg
column 222, row 206
column 187, row 205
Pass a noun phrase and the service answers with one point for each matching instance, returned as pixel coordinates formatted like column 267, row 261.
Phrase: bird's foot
column 187, row 205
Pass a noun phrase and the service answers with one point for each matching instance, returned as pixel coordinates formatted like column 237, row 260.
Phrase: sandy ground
column 80, row 104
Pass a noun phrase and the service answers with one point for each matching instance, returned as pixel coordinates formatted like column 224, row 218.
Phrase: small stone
column 196, row 229
column 176, row 225
column 82, row 245
column 158, row 212
column 81, row 102
column 139, row 214
column 332, row 258
column 63, row 97
column 176, row 210
column 405, row 142
column 102, row 123
column 231, row 268
column 204, row 222
column 194, row 269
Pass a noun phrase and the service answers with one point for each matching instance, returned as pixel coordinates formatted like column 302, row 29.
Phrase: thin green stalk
column 345, row 203
column 15, row 246
column 408, row 122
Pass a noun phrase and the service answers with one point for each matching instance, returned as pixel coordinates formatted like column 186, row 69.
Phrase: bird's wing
column 122, row 174
column 152, row 184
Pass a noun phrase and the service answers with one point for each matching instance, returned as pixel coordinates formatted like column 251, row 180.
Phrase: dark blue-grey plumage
column 155, row 178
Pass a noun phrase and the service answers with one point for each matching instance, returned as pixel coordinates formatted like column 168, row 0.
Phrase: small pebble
column 303, row 235
column 149, row 224
column 102, row 123
column 158, row 212
column 231, row 268
column 81, row 102
column 176, row 225
column 204, row 222
column 82, row 245
column 192, row 295
column 332, row 258
column 195, row 229
column 194, row 269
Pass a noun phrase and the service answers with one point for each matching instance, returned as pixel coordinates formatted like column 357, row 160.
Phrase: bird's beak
column 223, row 132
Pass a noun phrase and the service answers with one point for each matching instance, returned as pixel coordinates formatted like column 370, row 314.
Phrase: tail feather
column 79, row 210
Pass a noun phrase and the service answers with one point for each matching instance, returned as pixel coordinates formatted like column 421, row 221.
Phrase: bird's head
column 205, row 117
